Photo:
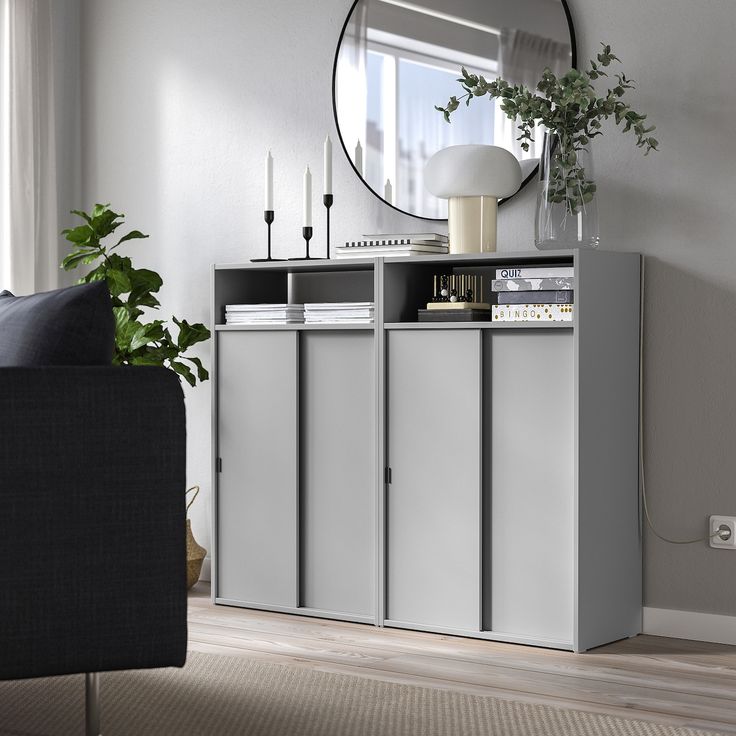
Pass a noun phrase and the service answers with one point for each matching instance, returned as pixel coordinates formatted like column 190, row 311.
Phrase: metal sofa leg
column 92, row 703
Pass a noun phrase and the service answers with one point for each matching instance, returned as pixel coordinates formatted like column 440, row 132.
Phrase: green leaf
column 155, row 330
column 73, row 260
column 124, row 335
column 98, row 274
column 132, row 235
column 106, row 223
column 83, row 215
column 139, row 338
column 120, row 263
column 144, row 300
column 79, row 235
column 122, row 317
column 143, row 280
column 190, row 334
column 147, row 358
column 202, row 373
column 146, row 334
column 135, row 313
column 117, row 282
column 184, row 371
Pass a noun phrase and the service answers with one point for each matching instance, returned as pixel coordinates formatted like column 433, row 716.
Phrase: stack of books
column 454, row 312
column 535, row 294
column 339, row 313
column 264, row 314
column 393, row 245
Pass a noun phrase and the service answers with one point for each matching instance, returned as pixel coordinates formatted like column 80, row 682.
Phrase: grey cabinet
column 257, row 488
column 479, row 509
column 477, row 479
column 296, row 510
column 433, row 498
column 338, row 472
column 530, row 401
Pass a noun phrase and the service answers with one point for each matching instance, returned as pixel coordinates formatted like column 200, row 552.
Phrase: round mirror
column 396, row 60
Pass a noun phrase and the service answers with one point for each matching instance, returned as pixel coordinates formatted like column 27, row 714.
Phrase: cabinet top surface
column 470, row 259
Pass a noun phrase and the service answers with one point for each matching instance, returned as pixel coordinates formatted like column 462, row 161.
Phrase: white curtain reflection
column 351, row 82
column 523, row 57
column 423, row 131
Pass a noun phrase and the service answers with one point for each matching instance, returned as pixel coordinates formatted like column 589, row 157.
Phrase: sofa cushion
column 72, row 326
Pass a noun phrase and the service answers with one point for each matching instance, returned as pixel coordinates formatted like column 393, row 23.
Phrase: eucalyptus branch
column 568, row 106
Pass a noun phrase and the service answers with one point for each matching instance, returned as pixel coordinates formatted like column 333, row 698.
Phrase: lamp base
column 472, row 224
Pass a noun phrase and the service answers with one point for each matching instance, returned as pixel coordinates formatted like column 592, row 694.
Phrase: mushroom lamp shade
column 472, row 178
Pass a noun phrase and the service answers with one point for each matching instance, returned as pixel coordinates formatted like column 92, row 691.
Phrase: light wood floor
column 668, row 681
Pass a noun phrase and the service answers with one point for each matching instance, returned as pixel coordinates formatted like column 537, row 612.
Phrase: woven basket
column 195, row 552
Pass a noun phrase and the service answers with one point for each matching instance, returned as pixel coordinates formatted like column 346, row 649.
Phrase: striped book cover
column 393, row 242
column 548, row 284
column 538, row 297
column 532, row 312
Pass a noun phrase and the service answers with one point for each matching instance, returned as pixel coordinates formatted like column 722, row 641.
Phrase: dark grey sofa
column 92, row 520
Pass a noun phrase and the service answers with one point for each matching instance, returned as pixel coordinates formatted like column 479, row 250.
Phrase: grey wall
column 181, row 99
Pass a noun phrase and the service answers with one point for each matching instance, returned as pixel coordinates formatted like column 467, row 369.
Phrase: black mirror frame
column 532, row 174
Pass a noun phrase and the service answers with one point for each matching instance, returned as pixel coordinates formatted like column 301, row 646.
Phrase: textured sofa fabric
column 92, row 520
column 72, row 326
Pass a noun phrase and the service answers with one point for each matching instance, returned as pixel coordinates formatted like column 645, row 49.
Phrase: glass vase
column 567, row 202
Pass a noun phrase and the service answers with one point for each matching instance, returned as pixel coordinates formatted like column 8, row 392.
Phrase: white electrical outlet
column 722, row 532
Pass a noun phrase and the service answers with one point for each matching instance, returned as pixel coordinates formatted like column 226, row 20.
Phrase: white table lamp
column 472, row 178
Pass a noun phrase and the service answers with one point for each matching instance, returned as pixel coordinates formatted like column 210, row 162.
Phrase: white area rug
column 222, row 696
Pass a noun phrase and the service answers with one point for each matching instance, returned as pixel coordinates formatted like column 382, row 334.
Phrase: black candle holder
column 307, row 233
column 268, row 216
column 327, row 200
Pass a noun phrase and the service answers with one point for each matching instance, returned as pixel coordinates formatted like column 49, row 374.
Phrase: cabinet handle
column 387, row 476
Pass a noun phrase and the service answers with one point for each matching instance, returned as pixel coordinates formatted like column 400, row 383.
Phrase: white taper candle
column 307, row 198
column 328, row 166
column 269, row 181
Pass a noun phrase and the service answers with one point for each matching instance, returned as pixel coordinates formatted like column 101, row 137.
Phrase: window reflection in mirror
column 398, row 59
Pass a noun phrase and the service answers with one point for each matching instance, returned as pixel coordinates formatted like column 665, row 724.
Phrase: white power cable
column 641, row 430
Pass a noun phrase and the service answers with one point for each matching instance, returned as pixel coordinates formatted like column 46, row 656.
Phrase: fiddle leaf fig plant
column 570, row 108
column 133, row 290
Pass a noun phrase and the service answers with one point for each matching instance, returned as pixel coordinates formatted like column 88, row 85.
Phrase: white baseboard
column 206, row 573
column 711, row 627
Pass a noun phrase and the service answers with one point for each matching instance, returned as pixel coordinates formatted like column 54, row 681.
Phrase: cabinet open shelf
column 408, row 282
column 300, row 282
